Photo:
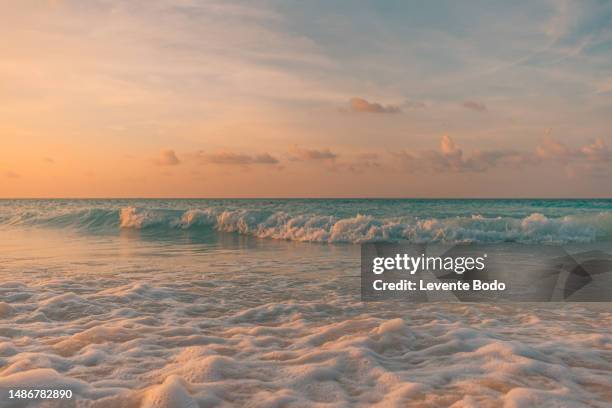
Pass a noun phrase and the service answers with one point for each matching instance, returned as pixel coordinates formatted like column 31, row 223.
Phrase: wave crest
column 365, row 228
column 327, row 228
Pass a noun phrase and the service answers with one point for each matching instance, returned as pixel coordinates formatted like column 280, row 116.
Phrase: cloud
column 595, row 151
column 450, row 158
column 550, row 148
column 237, row 159
column 447, row 146
column 475, row 106
column 48, row 160
column 299, row 154
column 360, row 105
column 11, row 174
column 167, row 158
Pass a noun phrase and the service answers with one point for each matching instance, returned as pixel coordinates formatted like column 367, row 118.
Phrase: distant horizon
column 306, row 198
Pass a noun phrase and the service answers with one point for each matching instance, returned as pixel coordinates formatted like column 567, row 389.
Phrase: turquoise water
column 331, row 220
column 186, row 303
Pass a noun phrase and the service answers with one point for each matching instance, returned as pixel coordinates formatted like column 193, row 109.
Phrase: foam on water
column 125, row 319
column 169, row 344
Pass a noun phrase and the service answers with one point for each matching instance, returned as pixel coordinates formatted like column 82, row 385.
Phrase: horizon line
column 309, row 198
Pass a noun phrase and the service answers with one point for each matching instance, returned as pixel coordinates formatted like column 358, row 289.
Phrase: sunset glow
column 305, row 99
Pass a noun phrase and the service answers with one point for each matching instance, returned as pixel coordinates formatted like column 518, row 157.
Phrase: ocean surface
column 330, row 221
column 221, row 303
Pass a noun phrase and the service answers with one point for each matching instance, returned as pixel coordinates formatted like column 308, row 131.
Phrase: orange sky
column 228, row 99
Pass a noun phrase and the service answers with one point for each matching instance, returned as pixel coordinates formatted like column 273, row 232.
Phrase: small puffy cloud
column 299, row 154
column 48, row 160
column 167, row 158
column 237, row 159
column 549, row 148
column 447, row 146
column 11, row 174
column 596, row 151
column 360, row 105
column 475, row 106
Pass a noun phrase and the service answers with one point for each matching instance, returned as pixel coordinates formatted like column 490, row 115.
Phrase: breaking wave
column 308, row 227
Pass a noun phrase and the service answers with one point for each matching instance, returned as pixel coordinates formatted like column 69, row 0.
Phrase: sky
column 198, row 98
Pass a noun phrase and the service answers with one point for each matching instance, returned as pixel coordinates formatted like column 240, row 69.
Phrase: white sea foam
column 362, row 228
column 136, row 323
column 305, row 353
column 321, row 222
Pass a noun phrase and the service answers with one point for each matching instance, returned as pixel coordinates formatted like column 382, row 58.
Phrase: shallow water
column 179, row 317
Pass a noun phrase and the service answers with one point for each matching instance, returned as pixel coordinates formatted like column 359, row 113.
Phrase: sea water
column 186, row 303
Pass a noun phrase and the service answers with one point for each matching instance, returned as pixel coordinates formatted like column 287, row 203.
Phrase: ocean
column 227, row 302
column 330, row 221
